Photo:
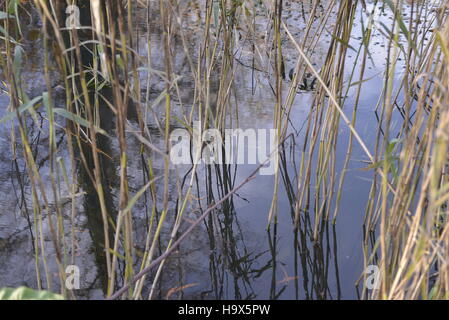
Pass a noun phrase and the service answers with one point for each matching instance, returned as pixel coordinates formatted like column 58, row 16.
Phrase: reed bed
column 109, row 106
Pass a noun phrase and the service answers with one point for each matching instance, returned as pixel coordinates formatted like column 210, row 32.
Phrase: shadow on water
column 100, row 98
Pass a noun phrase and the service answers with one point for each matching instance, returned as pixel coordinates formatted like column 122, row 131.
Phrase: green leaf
column 24, row 107
column 77, row 119
column 18, row 60
column 216, row 14
column 24, row 293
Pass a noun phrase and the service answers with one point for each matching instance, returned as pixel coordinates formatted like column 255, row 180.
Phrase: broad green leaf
column 77, row 119
column 24, row 293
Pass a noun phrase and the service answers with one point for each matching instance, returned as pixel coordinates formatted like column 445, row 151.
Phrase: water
column 232, row 255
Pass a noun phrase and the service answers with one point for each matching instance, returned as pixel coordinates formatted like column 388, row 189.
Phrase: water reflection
column 237, row 253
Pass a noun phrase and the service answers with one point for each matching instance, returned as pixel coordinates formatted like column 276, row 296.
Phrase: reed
column 105, row 126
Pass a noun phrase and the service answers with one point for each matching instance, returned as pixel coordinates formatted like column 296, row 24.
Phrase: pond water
column 233, row 254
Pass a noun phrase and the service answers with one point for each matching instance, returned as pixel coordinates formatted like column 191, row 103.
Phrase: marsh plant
column 225, row 149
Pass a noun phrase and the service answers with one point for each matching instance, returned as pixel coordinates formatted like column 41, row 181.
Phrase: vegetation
column 105, row 117
column 24, row 293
